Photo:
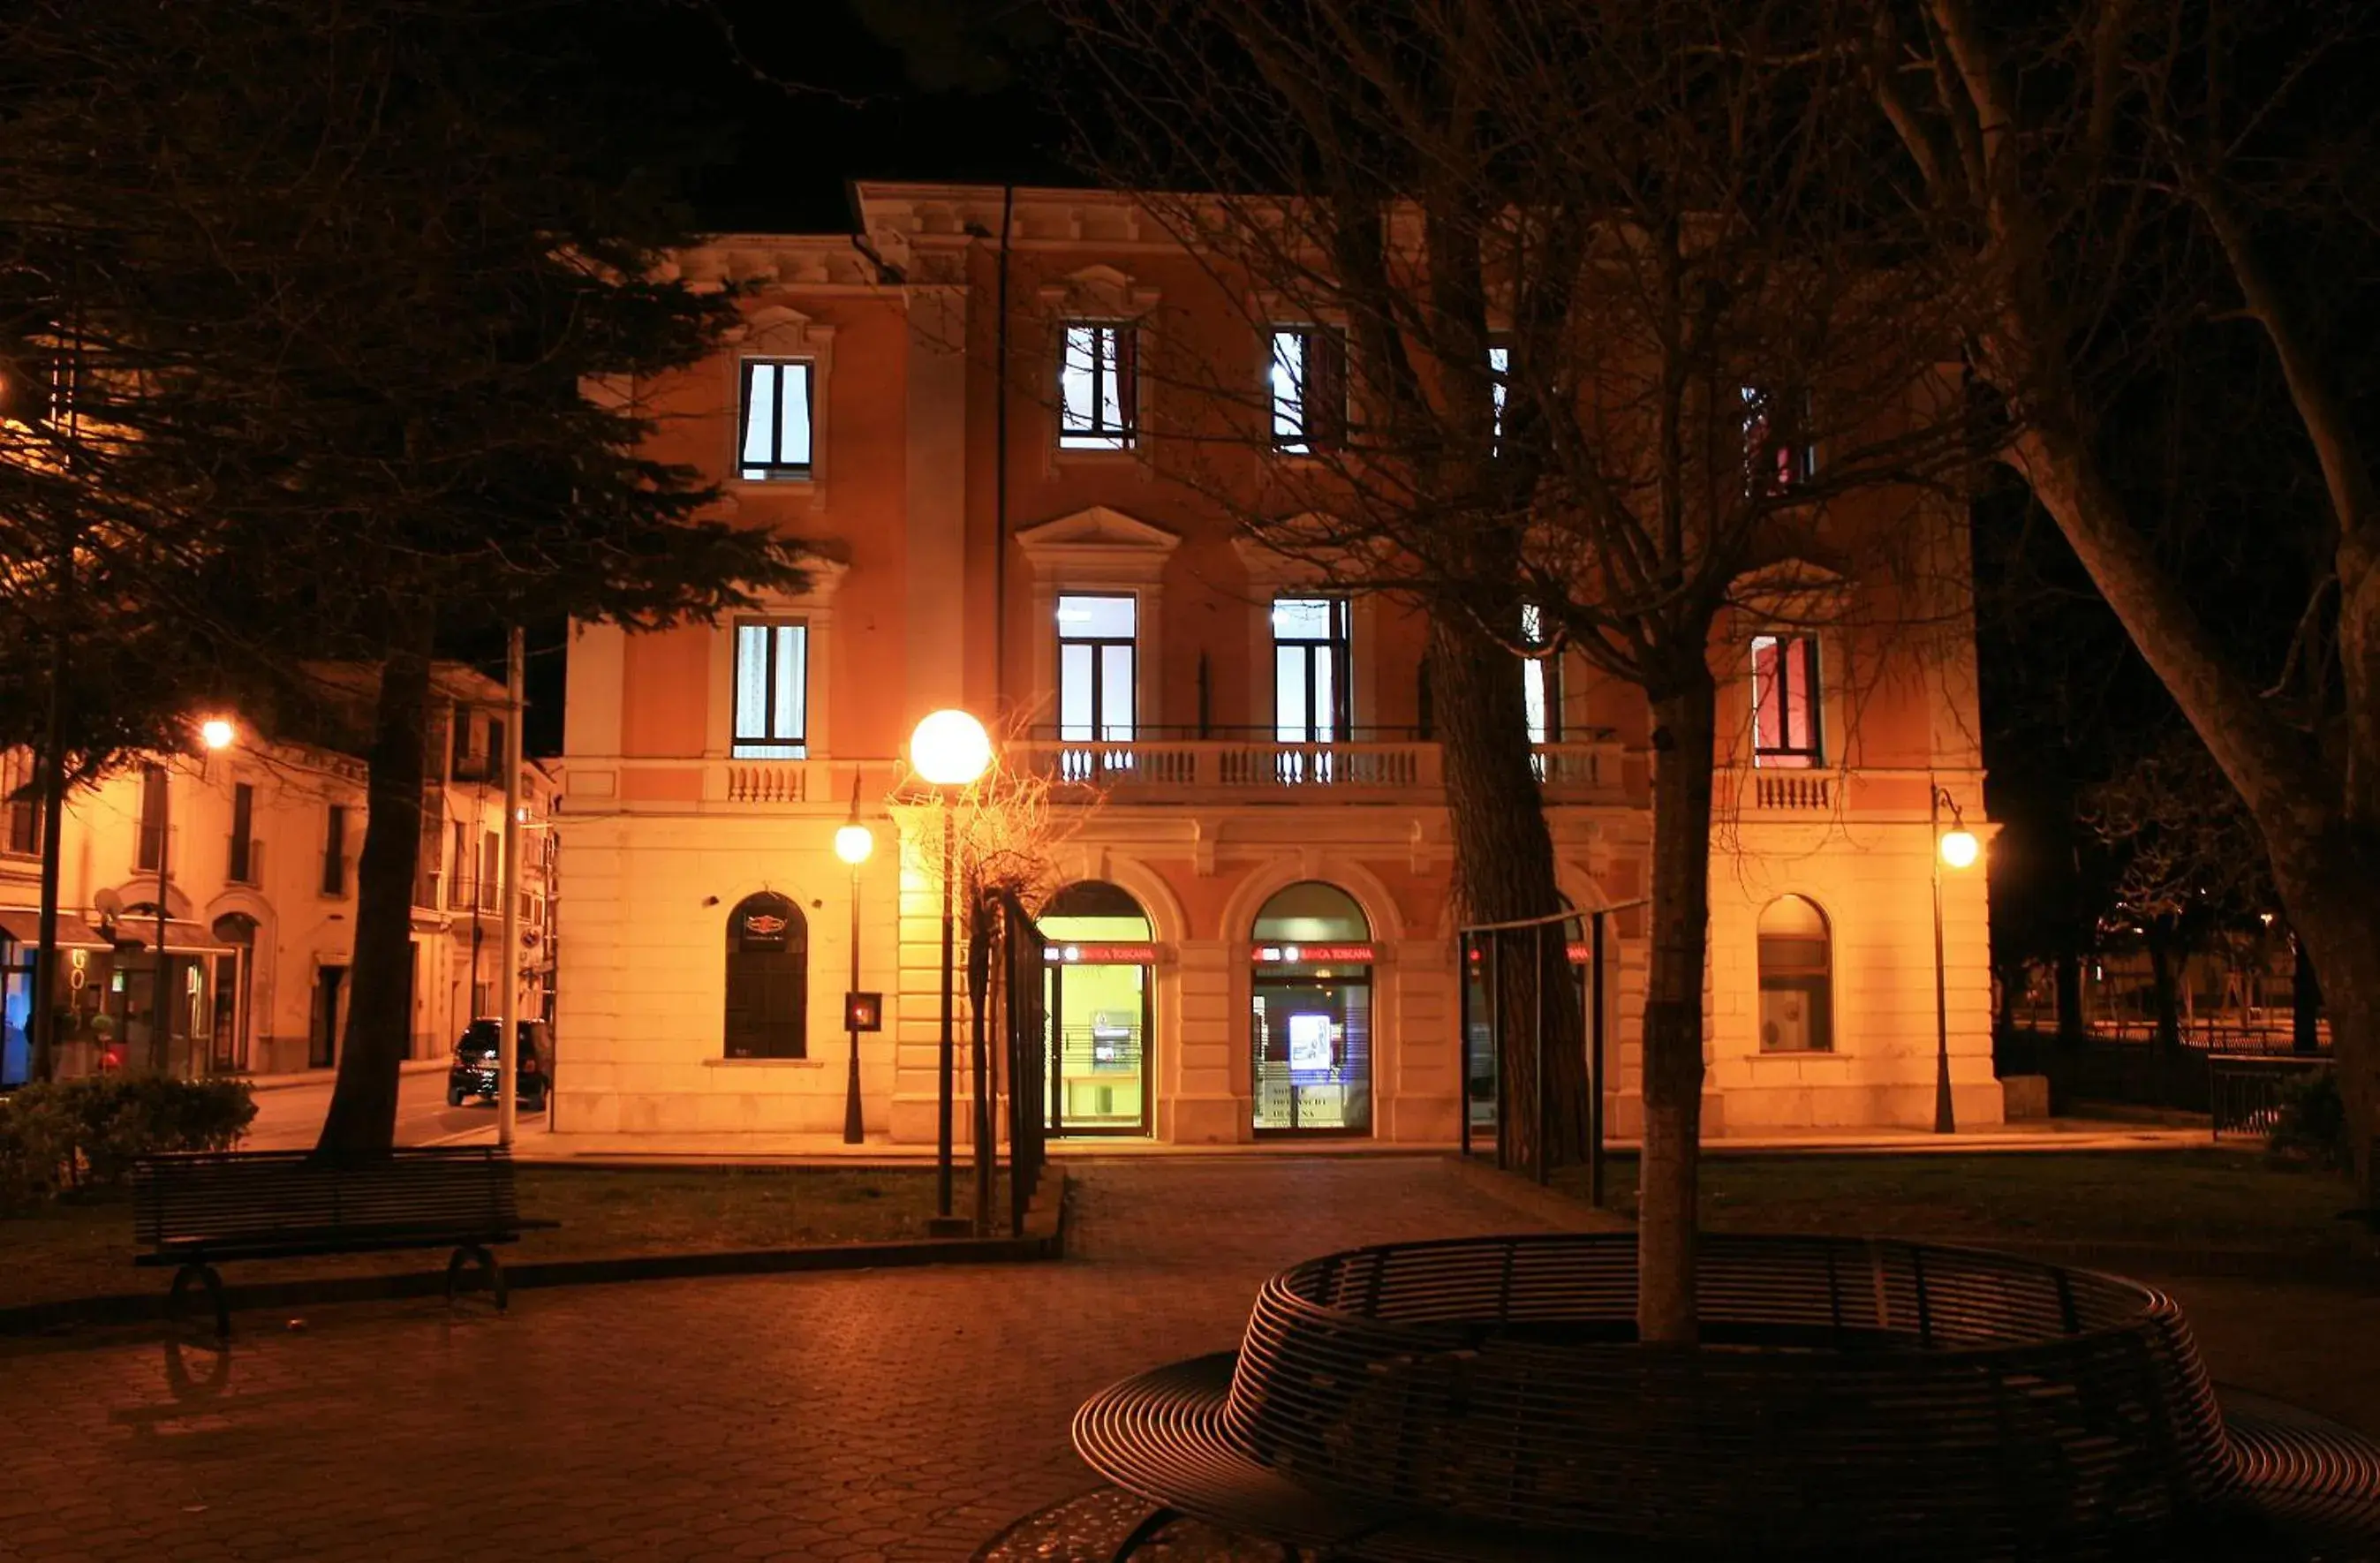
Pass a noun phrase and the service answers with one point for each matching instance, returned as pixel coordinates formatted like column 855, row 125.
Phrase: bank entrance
column 1310, row 1029
column 1101, row 967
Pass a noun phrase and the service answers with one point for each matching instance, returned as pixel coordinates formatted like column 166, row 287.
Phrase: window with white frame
column 1310, row 652
column 1098, row 665
column 771, row 698
column 1540, row 678
column 775, row 442
column 1099, row 386
column 1308, row 381
column 1785, row 702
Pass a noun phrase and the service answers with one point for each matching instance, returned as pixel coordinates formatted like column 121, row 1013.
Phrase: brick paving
column 899, row 1416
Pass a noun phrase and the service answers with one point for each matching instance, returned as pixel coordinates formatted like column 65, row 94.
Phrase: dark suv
column 474, row 1071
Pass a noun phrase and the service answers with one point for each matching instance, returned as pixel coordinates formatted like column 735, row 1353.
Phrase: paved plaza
column 901, row 1414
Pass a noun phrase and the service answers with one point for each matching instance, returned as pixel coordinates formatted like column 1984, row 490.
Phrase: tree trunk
column 1683, row 723
column 2329, row 902
column 2163, row 991
column 2072, row 1025
column 1504, row 865
column 2305, row 1004
column 362, row 1116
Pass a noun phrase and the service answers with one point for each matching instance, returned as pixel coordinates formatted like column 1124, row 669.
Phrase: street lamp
column 853, row 843
column 1958, row 847
column 216, row 733
column 950, row 748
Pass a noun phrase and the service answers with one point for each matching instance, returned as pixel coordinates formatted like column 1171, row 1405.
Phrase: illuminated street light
column 1958, row 847
column 950, row 748
column 853, row 843
column 218, row 733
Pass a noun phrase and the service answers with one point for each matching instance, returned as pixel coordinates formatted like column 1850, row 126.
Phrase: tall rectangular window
column 776, row 431
column 334, row 850
column 1778, row 455
column 1541, row 679
column 1785, row 701
column 1310, row 670
column 1098, row 387
column 772, row 691
column 491, row 871
column 1499, row 371
column 1097, row 653
column 24, row 810
column 152, row 817
column 1308, row 380
column 242, row 868
column 458, row 867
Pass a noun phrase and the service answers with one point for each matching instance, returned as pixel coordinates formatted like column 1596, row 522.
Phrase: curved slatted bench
column 1486, row 1398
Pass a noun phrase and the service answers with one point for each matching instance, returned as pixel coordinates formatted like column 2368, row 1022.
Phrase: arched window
column 1101, row 967
column 1311, row 1021
column 1311, row 912
column 768, row 979
column 1797, row 966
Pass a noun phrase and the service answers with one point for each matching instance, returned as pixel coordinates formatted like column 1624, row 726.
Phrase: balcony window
column 1098, row 387
column 776, row 420
column 151, row 848
column 1785, row 702
column 1540, row 679
column 1097, row 652
column 1310, row 657
column 241, row 869
column 1778, row 456
column 772, row 691
column 1308, row 380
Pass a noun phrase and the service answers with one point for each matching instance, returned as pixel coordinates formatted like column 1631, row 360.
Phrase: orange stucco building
column 1259, row 899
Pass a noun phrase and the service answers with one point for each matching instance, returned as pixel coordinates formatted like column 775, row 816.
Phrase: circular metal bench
column 1487, row 1399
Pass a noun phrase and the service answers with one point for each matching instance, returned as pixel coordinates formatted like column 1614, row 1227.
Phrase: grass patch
column 82, row 1246
column 2182, row 1199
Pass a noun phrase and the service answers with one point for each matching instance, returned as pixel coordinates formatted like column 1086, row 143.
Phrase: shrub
column 2311, row 1124
column 90, row 1129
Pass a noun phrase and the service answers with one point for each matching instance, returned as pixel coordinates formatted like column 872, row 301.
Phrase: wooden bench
column 199, row 1210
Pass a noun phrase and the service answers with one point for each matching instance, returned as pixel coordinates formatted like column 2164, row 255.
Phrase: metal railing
column 2244, row 1095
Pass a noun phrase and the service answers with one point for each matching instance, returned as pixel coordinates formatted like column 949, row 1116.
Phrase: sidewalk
column 325, row 1077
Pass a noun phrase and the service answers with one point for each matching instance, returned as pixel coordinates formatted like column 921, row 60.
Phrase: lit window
column 776, row 430
column 1310, row 658
column 1099, row 386
column 1541, row 680
column 1309, row 389
column 1499, row 367
column 1096, row 654
column 1796, row 977
column 772, row 691
column 1785, row 701
column 1777, row 451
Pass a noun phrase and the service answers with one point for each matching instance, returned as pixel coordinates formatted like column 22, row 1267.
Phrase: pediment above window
column 1098, row 546
column 776, row 329
column 1792, row 590
column 1099, row 292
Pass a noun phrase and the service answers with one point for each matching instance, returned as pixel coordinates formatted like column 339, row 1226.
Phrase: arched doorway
column 1310, row 1027
column 235, row 983
column 768, row 980
column 1101, row 969
column 1797, row 977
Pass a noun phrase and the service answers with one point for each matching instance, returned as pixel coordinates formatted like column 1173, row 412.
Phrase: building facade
column 255, row 846
column 1254, row 921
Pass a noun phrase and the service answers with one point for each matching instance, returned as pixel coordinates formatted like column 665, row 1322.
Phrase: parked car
column 474, row 1071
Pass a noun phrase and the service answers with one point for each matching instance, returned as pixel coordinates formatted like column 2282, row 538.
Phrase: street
column 289, row 1117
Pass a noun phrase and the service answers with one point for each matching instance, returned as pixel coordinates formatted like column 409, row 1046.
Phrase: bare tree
column 1628, row 345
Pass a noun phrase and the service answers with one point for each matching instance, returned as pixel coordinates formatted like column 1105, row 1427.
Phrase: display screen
column 1309, row 1044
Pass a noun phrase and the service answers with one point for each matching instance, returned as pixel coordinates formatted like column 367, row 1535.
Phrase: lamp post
column 1958, row 847
column 853, row 843
column 216, row 733
column 950, row 748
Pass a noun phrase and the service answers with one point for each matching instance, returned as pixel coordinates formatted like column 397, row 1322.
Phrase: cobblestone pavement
column 904, row 1414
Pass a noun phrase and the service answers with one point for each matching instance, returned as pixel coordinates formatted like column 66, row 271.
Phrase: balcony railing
column 1255, row 768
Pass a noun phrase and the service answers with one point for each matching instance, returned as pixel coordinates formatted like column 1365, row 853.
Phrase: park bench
column 199, row 1210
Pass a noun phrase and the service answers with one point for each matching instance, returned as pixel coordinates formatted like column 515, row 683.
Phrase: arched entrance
column 233, row 987
column 1101, row 970
column 1310, row 1027
column 767, row 1012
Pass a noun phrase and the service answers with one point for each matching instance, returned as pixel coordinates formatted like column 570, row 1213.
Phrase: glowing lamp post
column 1959, row 848
column 216, row 733
column 853, row 843
column 950, row 748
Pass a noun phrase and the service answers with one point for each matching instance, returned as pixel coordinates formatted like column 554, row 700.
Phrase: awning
column 23, row 924
column 136, row 931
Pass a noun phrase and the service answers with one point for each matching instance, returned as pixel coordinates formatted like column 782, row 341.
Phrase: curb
column 1562, row 1211
column 326, row 1076
column 1044, row 1240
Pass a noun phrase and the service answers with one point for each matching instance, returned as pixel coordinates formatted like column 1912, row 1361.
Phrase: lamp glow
column 217, row 731
column 1959, row 848
column 853, row 843
column 950, row 748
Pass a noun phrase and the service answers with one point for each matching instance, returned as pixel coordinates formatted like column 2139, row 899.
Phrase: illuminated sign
column 863, row 1011
column 1099, row 954
column 1580, row 954
column 1294, row 954
column 1309, row 1044
column 764, row 925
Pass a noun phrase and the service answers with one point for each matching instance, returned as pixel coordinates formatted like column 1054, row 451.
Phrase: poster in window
column 1309, row 1044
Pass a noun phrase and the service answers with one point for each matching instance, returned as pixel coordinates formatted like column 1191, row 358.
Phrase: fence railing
column 1258, row 767
column 2245, row 1094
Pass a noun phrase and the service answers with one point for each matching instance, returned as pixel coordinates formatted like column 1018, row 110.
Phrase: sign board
column 760, row 930
column 863, row 1011
column 1309, row 1044
column 1099, row 954
column 1580, row 953
column 1295, row 954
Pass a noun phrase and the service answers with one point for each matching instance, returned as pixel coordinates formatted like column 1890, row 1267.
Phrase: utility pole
column 508, row 956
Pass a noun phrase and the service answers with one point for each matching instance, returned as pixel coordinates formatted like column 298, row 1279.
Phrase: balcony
column 1263, row 771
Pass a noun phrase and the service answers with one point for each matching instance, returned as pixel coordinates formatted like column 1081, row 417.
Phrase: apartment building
column 1254, row 932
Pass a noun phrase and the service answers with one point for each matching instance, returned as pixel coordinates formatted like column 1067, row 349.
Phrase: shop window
column 768, row 980
column 771, row 695
column 1098, row 387
column 1098, row 651
column 1785, row 702
column 1311, row 1012
column 775, row 444
column 1308, row 381
column 1100, row 966
column 1796, row 977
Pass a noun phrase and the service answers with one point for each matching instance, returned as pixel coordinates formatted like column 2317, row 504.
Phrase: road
column 289, row 1117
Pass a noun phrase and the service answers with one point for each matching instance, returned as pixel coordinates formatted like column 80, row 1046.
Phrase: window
column 24, row 810
column 1796, row 977
column 492, row 871
column 1777, row 451
column 1541, row 679
column 152, row 817
column 1500, row 365
column 242, row 866
column 768, row 980
column 776, row 422
column 1309, row 389
column 1785, row 701
column 458, row 861
column 334, row 850
column 772, row 691
column 1098, row 387
column 1096, row 656
column 1310, row 666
